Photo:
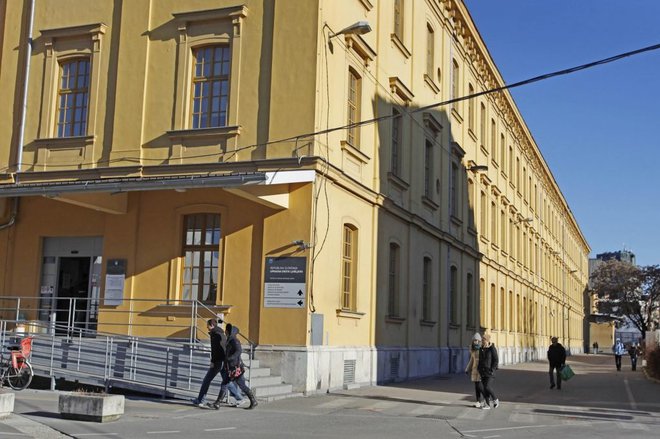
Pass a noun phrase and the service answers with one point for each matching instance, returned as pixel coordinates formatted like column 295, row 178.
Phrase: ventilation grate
column 349, row 371
column 394, row 366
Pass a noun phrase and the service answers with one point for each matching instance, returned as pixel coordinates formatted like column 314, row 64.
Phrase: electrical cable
column 424, row 108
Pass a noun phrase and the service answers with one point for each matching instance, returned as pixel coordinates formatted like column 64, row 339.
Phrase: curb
column 649, row 377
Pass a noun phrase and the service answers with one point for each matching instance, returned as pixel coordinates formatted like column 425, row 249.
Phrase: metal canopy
column 119, row 185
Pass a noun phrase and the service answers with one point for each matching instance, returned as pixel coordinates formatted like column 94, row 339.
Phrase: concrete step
column 273, row 390
column 265, row 381
column 260, row 372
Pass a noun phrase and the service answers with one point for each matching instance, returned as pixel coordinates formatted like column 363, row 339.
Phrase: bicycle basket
column 26, row 346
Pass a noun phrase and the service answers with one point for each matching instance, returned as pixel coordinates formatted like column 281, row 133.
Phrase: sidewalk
column 596, row 385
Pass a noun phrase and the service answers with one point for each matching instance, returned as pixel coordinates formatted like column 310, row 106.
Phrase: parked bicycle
column 15, row 368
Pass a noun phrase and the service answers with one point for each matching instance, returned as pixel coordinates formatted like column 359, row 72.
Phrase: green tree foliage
column 626, row 290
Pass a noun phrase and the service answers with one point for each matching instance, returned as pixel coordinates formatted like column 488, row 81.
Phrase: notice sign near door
column 285, row 282
column 115, row 274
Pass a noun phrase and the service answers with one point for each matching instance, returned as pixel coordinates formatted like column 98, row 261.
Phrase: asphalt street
column 598, row 402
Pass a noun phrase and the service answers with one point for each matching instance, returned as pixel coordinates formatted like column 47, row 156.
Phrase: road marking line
column 633, row 403
column 96, row 434
column 164, row 432
column 4, row 433
column 335, row 404
column 473, row 413
column 488, row 437
column 220, row 429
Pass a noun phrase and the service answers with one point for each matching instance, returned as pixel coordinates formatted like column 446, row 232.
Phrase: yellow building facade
column 269, row 161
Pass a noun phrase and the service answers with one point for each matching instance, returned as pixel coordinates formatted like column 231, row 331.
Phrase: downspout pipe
column 12, row 217
column 28, row 56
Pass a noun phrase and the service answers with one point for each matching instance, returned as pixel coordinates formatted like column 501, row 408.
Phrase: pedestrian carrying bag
column 566, row 372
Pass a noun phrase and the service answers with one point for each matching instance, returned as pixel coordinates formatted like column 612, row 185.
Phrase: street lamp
column 357, row 28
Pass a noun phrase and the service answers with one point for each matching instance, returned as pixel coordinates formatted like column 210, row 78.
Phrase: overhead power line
column 417, row 110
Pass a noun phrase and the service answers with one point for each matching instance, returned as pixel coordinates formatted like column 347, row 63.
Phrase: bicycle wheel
column 20, row 378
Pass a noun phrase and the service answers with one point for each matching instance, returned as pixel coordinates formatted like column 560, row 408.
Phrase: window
column 398, row 19
column 393, row 282
column 73, row 98
column 502, row 318
column 426, row 290
column 493, row 307
column 493, row 139
column 354, row 97
column 201, row 249
column 469, row 287
column 396, row 142
column 518, row 174
column 510, row 162
column 502, row 152
column 484, row 214
column 453, row 294
column 455, row 84
column 511, row 311
column 428, row 168
column 503, row 230
column 453, row 191
column 471, row 206
column 471, row 108
column 482, row 302
column 493, row 222
column 430, row 44
column 482, row 127
column 349, row 268
column 210, row 86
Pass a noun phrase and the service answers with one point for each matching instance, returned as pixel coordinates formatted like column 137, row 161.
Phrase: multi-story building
column 269, row 160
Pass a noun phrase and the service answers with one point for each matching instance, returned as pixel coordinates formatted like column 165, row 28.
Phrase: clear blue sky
column 599, row 129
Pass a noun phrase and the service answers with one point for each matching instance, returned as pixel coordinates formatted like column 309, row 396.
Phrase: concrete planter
column 91, row 407
column 6, row 404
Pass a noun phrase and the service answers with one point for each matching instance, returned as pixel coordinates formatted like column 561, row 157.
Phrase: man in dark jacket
column 235, row 369
column 488, row 364
column 557, row 359
column 218, row 338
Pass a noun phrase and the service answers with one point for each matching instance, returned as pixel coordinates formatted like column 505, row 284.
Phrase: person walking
column 595, row 347
column 556, row 360
column 618, row 350
column 472, row 369
column 488, row 364
column 217, row 364
column 235, row 369
column 633, row 351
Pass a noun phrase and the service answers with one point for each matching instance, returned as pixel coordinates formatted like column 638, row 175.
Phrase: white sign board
column 285, row 285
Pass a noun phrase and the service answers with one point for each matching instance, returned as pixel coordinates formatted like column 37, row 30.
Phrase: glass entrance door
column 73, row 293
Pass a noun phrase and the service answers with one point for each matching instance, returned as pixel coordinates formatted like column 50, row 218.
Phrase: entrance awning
column 119, row 185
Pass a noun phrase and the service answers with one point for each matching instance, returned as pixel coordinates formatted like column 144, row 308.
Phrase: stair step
column 265, row 381
column 273, row 390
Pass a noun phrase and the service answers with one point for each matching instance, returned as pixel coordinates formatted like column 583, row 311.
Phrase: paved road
column 598, row 403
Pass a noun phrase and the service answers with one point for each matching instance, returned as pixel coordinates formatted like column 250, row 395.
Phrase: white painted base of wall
column 319, row 369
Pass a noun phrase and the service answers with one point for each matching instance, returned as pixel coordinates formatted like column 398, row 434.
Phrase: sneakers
column 552, row 386
column 496, row 403
column 478, row 404
column 485, row 405
column 198, row 403
column 212, row 405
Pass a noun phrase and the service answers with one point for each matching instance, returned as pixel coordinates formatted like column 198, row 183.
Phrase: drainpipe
column 12, row 217
column 28, row 56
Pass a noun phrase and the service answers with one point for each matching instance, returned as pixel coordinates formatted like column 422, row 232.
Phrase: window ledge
column 350, row 314
column 367, row 4
column 472, row 230
column 494, row 246
column 431, row 83
column 354, row 151
column 454, row 326
column 483, row 239
column 429, row 203
column 398, row 181
column 456, row 114
column 394, row 319
column 205, row 133
column 399, row 44
column 428, row 323
column 456, row 220
column 472, row 135
column 64, row 142
column 483, row 149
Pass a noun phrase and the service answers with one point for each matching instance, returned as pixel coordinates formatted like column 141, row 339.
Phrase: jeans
column 552, row 378
column 478, row 390
column 633, row 361
column 208, row 378
column 617, row 360
column 489, row 395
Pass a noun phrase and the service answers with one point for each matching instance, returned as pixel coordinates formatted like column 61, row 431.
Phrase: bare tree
column 625, row 290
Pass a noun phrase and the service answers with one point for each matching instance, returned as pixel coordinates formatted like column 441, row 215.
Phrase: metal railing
column 78, row 326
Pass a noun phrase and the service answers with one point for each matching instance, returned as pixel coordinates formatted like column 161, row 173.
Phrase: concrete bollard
column 95, row 407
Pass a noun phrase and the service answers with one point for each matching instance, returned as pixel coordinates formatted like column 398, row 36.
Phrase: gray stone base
column 91, row 407
column 6, row 404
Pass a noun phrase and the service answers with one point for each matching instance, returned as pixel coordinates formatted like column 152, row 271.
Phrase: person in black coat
column 217, row 359
column 556, row 359
column 488, row 364
column 235, row 369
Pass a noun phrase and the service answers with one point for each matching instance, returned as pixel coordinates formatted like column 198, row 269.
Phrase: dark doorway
column 73, row 293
